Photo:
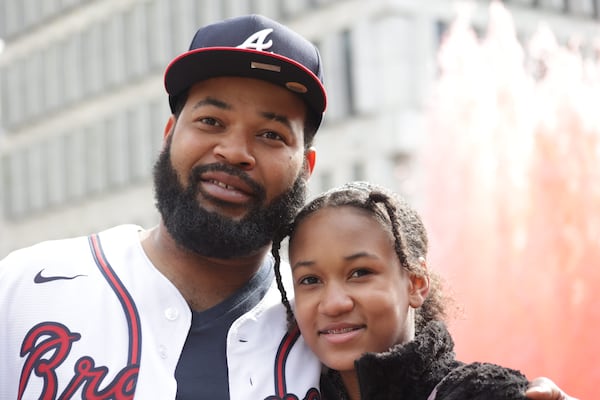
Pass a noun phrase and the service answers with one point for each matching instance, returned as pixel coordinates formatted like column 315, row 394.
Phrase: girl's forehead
column 334, row 214
column 340, row 232
column 347, row 210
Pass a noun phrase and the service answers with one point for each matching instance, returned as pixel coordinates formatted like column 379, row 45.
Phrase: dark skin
column 254, row 126
column 253, row 136
column 202, row 281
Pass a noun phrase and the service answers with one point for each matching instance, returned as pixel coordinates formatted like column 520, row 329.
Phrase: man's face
column 233, row 168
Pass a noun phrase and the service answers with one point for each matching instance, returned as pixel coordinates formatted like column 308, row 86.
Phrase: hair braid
column 399, row 243
column 291, row 320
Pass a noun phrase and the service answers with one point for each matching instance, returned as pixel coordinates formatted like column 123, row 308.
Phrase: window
column 118, row 150
column 56, row 171
column 52, row 77
column 114, row 52
column 48, row 8
column 159, row 33
column 137, row 43
column 4, row 96
column 348, row 68
column 15, row 102
column 36, row 176
column 34, row 87
column 72, row 67
column 12, row 17
column 140, row 145
column 75, row 155
column 96, row 158
column 31, row 12
column 15, row 175
column 336, row 52
column 92, row 60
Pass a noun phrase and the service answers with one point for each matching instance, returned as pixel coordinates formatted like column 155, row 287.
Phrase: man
column 187, row 309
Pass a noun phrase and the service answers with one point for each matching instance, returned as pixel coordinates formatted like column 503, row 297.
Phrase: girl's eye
column 357, row 273
column 309, row 280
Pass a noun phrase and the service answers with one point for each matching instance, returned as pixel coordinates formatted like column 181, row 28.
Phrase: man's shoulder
column 58, row 253
column 44, row 251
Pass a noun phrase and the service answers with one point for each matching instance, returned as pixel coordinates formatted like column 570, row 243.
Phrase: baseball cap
column 251, row 46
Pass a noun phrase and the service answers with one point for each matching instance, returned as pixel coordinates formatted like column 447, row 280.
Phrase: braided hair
column 395, row 214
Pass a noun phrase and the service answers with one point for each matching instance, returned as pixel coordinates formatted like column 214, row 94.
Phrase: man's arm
column 546, row 389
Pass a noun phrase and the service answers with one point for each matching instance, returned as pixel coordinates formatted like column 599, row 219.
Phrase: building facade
column 83, row 107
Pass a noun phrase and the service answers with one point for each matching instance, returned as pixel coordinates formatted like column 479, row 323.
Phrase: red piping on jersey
column 282, row 354
column 131, row 313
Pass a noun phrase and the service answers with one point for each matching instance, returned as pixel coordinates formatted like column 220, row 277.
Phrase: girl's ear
column 419, row 286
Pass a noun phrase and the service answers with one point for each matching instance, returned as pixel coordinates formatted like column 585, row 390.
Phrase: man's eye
column 209, row 121
column 272, row 135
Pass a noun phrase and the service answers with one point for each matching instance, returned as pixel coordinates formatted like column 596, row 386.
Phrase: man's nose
column 235, row 148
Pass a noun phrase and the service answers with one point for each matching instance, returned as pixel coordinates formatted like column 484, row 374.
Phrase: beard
column 208, row 233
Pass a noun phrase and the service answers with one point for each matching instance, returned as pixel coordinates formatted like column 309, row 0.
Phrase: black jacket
column 412, row 371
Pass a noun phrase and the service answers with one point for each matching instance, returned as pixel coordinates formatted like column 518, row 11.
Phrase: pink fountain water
column 512, row 167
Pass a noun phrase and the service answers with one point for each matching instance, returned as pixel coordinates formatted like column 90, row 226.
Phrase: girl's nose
column 335, row 300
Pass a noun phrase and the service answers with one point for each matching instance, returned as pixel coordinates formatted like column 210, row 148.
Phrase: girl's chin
column 341, row 365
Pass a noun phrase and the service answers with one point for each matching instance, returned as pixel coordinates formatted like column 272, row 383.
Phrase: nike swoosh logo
column 39, row 278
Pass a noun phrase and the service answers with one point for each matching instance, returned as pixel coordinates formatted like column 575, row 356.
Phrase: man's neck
column 203, row 281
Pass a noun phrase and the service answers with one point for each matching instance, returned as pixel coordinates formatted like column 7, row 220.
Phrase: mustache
column 197, row 172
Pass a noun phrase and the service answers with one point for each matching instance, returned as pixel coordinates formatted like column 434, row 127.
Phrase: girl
column 370, row 309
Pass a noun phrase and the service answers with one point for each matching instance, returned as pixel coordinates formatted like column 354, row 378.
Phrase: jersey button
column 162, row 351
column 171, row 314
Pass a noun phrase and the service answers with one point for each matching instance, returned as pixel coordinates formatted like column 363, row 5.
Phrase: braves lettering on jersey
column 91, row 318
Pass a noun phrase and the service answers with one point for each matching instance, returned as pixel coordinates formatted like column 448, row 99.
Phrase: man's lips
column 226, row 187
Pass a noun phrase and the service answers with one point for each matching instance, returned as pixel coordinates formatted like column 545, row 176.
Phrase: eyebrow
column 271, row 116
column 360, row 254
column 351, row 257
column 211, row 101
column 278, row 118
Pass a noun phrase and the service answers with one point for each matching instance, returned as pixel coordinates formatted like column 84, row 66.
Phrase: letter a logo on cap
column 258, row 41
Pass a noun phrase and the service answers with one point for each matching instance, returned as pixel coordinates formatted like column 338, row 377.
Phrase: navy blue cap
column 251, row 46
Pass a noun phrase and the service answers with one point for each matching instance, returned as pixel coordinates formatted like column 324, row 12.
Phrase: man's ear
column 310, row 155
column 419, row 285
column 169, row 126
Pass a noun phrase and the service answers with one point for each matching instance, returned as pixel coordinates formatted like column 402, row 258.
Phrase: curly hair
column 395, row 214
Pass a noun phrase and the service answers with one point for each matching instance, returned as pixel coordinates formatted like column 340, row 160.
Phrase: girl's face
column 352, row 295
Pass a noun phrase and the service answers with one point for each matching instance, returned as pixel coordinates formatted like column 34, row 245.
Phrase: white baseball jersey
column 92, row 318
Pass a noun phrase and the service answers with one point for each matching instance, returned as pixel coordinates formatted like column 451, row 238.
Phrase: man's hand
column 545, row 389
